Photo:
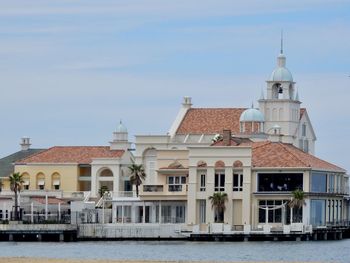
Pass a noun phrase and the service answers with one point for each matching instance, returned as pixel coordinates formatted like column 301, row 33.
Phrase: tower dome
column 252, row 115
column 281, row 73
column 121, row 128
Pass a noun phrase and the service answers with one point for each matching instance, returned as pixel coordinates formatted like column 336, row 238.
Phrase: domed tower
column 281, row 106
column 252, row 121
column 120, row 138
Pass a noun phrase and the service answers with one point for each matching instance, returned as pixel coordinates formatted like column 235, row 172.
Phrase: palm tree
column 137, row 176
column 218, row 203
column 16, row 182
column 298, row 200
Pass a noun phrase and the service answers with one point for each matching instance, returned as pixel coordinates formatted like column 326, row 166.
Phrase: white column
column 143, row 213
column 46, row 206
column 94, row 184
column 59, row 211
column 133, row 212
column 210, row 190
column 246, row 196
column 32, row 213
column 122, row 213
column 191, row 196
column 116, row 178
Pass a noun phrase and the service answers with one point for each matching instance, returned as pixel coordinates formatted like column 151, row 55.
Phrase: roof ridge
column 297, row 157
column 219, row 108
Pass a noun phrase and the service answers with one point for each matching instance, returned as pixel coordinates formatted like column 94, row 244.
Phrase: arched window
column 219, row 164
column 40, row 181
column 56, row 181
column 26, row 181
column 201, row 164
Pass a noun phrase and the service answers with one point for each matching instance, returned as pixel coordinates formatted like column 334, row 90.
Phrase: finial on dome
column 281, row 41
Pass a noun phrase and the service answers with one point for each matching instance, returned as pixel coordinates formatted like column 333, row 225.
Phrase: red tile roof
column 72, row 154
column 210, row 120
column 213, row 120
column 276, row 154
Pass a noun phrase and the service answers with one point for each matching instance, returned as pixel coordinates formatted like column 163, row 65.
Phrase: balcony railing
column 153, row 188
column 175, row 188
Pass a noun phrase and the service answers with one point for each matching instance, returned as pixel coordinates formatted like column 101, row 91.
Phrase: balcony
column 153, row 188
column 74, row 195
column 124, row 196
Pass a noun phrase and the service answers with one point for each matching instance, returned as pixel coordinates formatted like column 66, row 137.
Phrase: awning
column 26, row 182
column 56, row 182
column 41, row 182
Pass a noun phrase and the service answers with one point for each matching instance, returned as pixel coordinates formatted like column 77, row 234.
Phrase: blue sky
column 70, row 70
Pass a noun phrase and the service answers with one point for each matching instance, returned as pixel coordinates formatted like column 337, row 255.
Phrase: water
column 320, row 251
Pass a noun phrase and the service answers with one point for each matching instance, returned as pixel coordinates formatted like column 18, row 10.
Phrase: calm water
column 321, row 251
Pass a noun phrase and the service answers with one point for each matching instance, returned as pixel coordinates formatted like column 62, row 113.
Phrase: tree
column 16, row 182
column 137, row 176
column 218, row 203
column 298, row 201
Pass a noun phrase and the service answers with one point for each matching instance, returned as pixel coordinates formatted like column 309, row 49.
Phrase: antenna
column 281, row 41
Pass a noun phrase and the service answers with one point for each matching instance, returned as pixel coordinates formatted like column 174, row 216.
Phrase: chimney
column 187, row 102
column 25, row 143
column 226, row 138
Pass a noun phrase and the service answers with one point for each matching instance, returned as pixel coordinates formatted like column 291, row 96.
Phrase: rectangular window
column 284, row 182
column 331, row 183
column 319, row 182
column 275, row 212
column 237, row 182
column 175, row 183
column 303, row 133
column 219, row 182
column 318, row 212
column 202, row 183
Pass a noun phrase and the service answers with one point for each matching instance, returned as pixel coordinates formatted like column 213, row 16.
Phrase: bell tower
column 281, row 106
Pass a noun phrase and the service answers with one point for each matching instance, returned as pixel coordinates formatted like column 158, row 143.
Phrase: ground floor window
column 317, row 212
column 277, row 213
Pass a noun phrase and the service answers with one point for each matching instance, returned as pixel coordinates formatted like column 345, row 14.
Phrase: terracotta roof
column 72, row 154
column 235, row 141
column 210, row 120
column 276, row 154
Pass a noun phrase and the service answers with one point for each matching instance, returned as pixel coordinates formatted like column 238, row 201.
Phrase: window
column 0, row 214
column 237, row 182
column 318, row 212
column 303, row 130
column 275, row 211
column 175, row 183
column 219, row 182
column 283, row 182
column 331, row 183
column 202, row 183
column 319, row 182
column 180, row 214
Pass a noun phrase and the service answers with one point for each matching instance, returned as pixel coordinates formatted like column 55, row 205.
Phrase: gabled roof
column 6, row 163
column 210, row 120
column 72, row 154
column 276, row 154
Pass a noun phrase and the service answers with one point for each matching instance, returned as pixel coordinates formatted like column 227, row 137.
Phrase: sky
column 71, row 70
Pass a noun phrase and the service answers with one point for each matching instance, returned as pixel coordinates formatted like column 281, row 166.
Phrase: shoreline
column 56, row 260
